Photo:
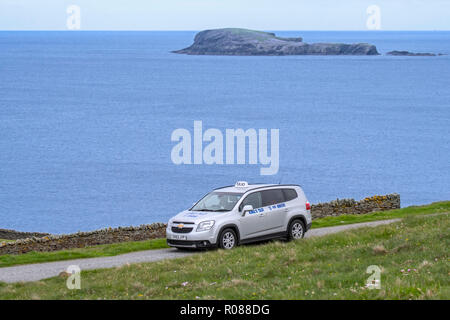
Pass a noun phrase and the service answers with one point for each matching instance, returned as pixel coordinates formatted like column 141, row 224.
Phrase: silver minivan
column 243, row 213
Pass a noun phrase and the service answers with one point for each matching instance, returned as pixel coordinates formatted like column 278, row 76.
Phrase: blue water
column 86, row 120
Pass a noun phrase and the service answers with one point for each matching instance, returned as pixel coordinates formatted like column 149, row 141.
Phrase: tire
column 296, row 230
column 227, row 239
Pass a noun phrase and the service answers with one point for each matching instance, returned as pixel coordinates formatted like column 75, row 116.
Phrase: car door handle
column 261, row 214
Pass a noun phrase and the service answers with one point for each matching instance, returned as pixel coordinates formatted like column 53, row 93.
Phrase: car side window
column 270, row 197
column 253, row 199
column 290, row 194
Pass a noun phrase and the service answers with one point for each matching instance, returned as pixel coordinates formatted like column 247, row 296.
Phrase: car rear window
column 270, row 197
column 290, row 194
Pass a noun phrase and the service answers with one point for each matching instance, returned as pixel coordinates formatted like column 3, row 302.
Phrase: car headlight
column 205, row 225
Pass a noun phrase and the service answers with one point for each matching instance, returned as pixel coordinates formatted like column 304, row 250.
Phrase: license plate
column 177, row 237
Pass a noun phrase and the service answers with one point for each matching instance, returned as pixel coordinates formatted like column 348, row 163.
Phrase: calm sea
column 86, row 120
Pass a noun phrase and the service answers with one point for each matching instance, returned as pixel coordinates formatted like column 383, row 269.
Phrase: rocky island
column 244, row 42
column 411, row 54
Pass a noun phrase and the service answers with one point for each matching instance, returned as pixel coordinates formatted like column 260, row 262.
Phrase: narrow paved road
column 38, row 271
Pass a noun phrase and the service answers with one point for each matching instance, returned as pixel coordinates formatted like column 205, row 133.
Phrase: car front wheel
column 227, row 239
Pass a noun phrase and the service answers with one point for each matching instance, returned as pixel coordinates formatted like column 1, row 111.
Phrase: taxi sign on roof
column 241, row 184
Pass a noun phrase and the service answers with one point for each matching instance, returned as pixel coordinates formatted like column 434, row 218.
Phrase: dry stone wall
column 84, row 239
column 14, row 235
column 350, row 206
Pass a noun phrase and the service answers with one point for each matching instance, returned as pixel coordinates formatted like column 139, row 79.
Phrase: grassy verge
column 89, row 252
column 436, row 207
column 412, row 256
column 6, row 240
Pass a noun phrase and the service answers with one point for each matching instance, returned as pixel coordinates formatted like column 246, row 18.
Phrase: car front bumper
column 193, row 239
column 189, row 244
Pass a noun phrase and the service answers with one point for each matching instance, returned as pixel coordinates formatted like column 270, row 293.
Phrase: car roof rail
column 273, row 185
column 266, row 185
column 223, row 187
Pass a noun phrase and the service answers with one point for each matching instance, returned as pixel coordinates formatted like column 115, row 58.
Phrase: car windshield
column 217, row 202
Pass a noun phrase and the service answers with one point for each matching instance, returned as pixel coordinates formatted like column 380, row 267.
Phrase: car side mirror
column 247, row 208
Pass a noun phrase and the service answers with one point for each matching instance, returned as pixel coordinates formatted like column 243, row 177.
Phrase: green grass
column 88, row 252
column 6, row 240
column 436, row 207
column 126, row 247
column 329, row 267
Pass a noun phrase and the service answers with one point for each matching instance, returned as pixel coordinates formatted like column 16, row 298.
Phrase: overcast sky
column 206, row 14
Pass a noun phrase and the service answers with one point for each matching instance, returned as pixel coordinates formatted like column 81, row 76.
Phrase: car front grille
column 181, row 230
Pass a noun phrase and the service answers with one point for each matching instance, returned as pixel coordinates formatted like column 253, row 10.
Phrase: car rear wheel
column 228, row 239
column 296, row 230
